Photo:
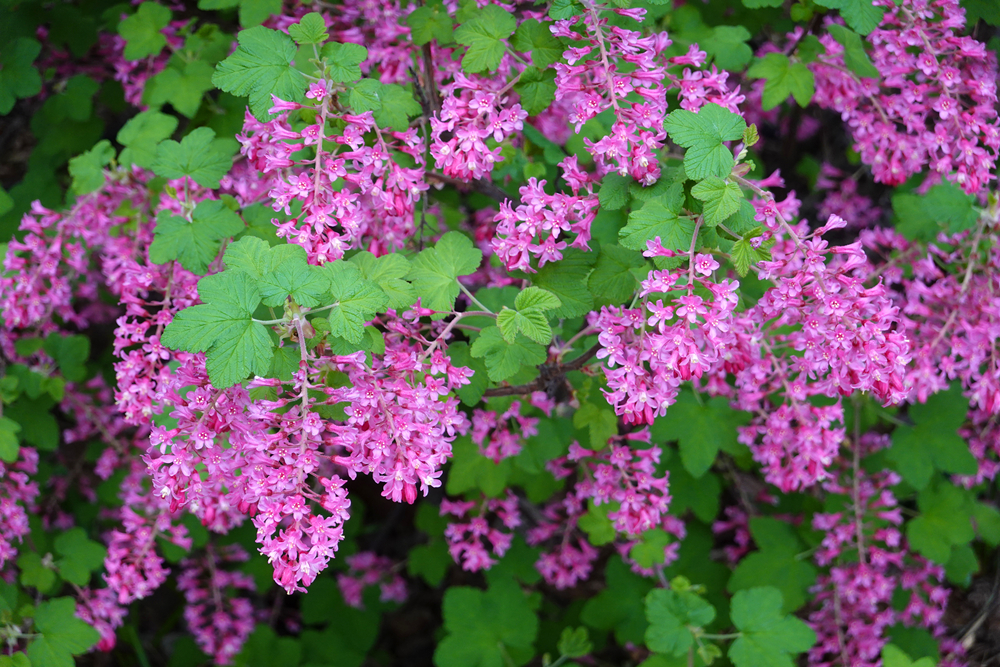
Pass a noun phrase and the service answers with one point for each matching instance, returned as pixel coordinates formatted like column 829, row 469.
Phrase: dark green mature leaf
column 855, row 57
column 79, row 556
column 619, row 607
column 728, row 45
column 311, row 29
column 944, row 206
column 429, row 22
column 933, row 441
column 600, row 421
column 198, row 155
column 142, row 31
column 567, row 279
column 18, row 76
column 658, row 218
column 893, row 656
column 945, row 521
column 504, row 359
column 483, row 36
column 434, row 272
column 776, row 563
column 61, row 634
column 612, row 281
column 357, row 300
column 397, row 107
column 700, row 428
column 861, row 15
column 768, row 637
column 261, row 67
column 614, row 192
column 537, row 89
column 703, row 134
column 9, row 442
column 223, row 327
column 491, row 628
column 183, row 87
column 365, row 96
column 670, row 613
column 142, row 134
column 344, row 60
column 784, row 78
column 87, row 169
column 757, row 4
column 194, row 244
column 70, row 354
column 535, row 38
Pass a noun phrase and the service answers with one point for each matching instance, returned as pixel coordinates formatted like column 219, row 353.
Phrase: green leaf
column 261, row 67
column 365, row 96
column 87, row 169
column 198, row 155
column 182, row 86
column 703, row 134
column 670, row 614
column 721, row 198
column 504, row 359
column 429, row 22
column 311, row 29
column 612, row 281
column 933, row 441
column 728, row 45
column 768, row 637
column 491, row 628
column 595, row 523
column 18, row 76
column 16, row 660
column 893, row 656
column 784, row 78
column 532, row 324
column 987, row 519
column 700, row 428
column 945, row 521
column 142, row 134
column 483, row 36
column 567, row 280
column 537, row 89
column 658, row 218
column 224, row 329
column 614, row 191
column 9, row 442
column 619, row 606
column 535, row 38
column 63, row 635
column 194, row 244
column 745, row 255
column 397, row 107
column 70, row 354
column 142, row 31
column 79, row 556
column 536, row 298
column 357, row 300
column 344, row 60
column 434, row 272
column 648, row 552
column 861, row 15
column 855, row 57
column 600, row 420
column 574, row 643
column 776, row 563
column 34, row 572
column 388, row 272
column 758, row 4
column 944, row 205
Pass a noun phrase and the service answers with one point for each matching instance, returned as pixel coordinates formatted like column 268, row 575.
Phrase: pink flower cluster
column 569, row 557
column 933, row 104
column 17, row 497
column 367, row 569
column 472, row 542
column 494, row 434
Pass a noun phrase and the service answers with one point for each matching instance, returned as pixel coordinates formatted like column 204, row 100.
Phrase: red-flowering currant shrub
column 477, row 333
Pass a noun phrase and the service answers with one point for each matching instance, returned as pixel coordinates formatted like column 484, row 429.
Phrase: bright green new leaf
column 776, row 563
column 855, row 57
column 535, row 38
column 388, row 272
column 142, row 31
column 18, row 76
column 182, row 86
column 574, row 643
column 9, row 442
column 658, row 218
column 87, row 169
column 357, row 300
column 142, row 134
column 483, row 36
column 261, row 67
column 595, row 523
column 344, row 60
column 703, row 134
column 79, row 556
column 784, row 78
column 252, row 12
column 434, row 272
column 397, row 107
column 893, row 656
column 701, row 428
column 768, row 637
column 194, row 244
column 198, row 155
column 861, row 15
column 429, row 22
column 311, row 29
column 721, row 198
column 492, row 628
column 670, row 613
column 728, row 45
column 933, row 441
column 537, row 89
column 648, row 552
column 16, row 660
column 281, row 271
column 613, row 280
column 504, row 359
column 599, row 420
column 62, row 634
column 223, row 327
column 536, row 298
column 945, row 521
column 531, row 323
column 745, row 255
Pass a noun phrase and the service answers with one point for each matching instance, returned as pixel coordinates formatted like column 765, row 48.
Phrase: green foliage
column 619, row 607
column 197, row 155
column 567, row 280
column 428, row 22
column 854, row 51
column 529, row 317
column 728, row 45
column 195, row 243
column 141, row 135
column 768, row 637
column 861, row 15
column 893, row 656
column 701, row 427
column 61, row 635
column 722, row 199
column 261, row 67
column 18, row 76
column 491, row 628
column 536, row 88
column 659, row 218
column 87, row 169
column 535, row 38
column 671, row 614
column 435, row 271
column 311, row 29
column 703, row 134
column 483, row 36
column 613, row 279
column 777, row 563
column 344, row 60
column 79, row 556
column 921, row 218
column 945, row 521
column 142, row 31
column 574, row 643
column 784, row 77
column 251, row 12
column 9, row 441
column 504, row 359
column 388, row 272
